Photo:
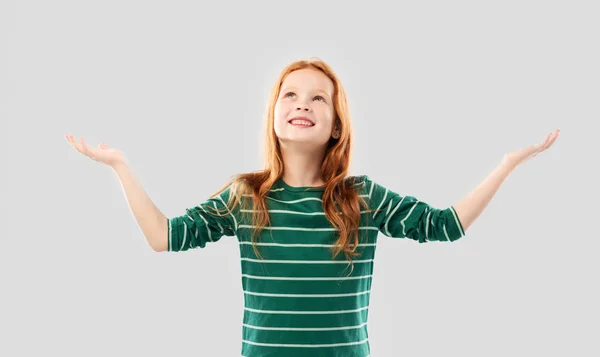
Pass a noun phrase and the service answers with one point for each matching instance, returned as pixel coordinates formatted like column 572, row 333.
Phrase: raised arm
column 470, row 207
column 152, row 222
column 149, row 218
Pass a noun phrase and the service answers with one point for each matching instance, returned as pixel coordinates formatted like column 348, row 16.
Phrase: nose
column 303, row 107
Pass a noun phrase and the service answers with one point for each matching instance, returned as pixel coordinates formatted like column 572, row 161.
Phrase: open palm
column 520, row 156
column 104, row 153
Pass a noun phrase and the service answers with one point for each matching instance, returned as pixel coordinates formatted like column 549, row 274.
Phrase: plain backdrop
column 438, row 92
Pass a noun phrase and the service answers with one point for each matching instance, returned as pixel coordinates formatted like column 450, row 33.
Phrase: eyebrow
column 318, row 90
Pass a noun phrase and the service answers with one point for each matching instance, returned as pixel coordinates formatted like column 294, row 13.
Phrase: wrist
column 117, row 167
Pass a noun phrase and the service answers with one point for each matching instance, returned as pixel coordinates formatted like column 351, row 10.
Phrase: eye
column 292, row 93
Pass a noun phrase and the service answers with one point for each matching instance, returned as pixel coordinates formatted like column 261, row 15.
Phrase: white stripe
column 215, row 205
column 405, row 218
column 294, row 201
column 389, row 207
column 299, row 312
column 205, row 224
column 305, row 328
column 300, row 245
column 389, row 215
column 305, row 261
column 292, row 212
column 220, row 227
column 306, row 295
column 228, row 210
column 184, row 235
column 427, row 221
column 170, row 234
column 304, row 278
column 462, row 233
column 301, row 345
column 192, row 219
column 445, row 232
column 247, row 356
column 371, row 190
column 302, row 229
column 381, row 203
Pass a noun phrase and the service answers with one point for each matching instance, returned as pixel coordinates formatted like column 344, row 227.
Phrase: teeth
column 302, row 122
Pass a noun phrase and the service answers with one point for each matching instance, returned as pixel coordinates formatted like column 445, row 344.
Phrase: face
column 305, row 93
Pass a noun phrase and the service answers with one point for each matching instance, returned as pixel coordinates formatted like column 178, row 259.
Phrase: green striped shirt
column 298, row 301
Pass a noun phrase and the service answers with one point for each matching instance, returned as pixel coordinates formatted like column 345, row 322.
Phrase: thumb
column 102, row 146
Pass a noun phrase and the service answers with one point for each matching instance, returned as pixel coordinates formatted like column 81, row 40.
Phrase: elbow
column 159, row 242
column 159, row 245
column 158, row 249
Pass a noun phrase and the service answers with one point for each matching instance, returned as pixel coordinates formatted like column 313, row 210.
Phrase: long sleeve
column 399, row 216
column 200, row 225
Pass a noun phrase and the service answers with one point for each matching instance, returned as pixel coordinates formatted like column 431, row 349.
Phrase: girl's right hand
column 104, row 153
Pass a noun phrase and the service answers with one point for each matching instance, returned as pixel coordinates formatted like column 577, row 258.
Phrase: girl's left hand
column 517, row 157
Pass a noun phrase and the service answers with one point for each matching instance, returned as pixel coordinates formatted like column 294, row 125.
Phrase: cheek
column 280, row 112
column 326, row 115
column 279, row 116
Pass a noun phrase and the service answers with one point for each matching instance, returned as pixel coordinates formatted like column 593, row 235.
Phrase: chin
column 304, row 143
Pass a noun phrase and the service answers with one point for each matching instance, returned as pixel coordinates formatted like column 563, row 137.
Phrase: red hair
column 341, row 202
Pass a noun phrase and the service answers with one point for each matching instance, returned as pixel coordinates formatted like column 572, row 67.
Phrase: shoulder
column 361, row 182
column 370, row 187
column 357, row 179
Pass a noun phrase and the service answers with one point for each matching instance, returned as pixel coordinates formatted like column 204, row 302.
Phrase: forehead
column 308, row 79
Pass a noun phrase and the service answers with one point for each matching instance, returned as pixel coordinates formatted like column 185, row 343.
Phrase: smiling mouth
column 301, row 122
column 302, row 125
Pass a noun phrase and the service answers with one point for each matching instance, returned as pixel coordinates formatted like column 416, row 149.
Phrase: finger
column 552, row 139
column 546, row 140
column 556, row 134
column 84, row 146
column 69, row 139
column 75, row 144
column 87, row 149
column 541, row 146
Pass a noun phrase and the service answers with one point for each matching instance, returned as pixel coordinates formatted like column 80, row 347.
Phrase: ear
column 336, row 133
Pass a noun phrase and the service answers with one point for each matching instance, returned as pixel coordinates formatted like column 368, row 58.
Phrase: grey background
column 438, row 92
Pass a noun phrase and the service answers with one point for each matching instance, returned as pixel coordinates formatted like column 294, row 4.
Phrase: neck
column 302, row 167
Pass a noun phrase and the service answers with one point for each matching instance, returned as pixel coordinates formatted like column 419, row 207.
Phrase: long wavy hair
column 341, row 203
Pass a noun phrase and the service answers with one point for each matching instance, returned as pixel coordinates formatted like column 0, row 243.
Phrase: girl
column 307, row 231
